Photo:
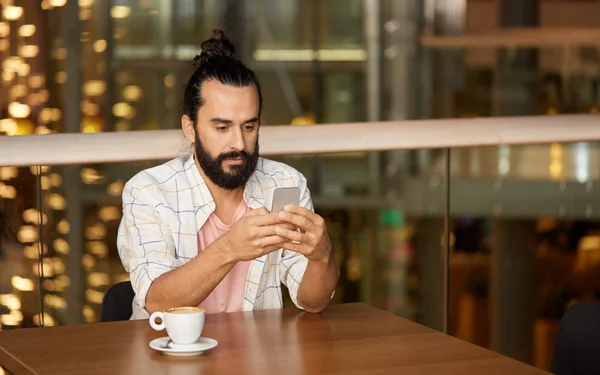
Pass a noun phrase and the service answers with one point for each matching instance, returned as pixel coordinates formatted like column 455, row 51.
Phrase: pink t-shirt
column 228, row 296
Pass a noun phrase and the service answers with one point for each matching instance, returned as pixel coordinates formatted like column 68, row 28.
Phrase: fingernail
column 288, row 207
column 278, row 230
column 283, row 215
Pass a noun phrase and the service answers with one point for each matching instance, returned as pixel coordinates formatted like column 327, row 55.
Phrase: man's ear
column 188, row 128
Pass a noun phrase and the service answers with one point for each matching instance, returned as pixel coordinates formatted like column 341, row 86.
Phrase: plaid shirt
column 164, row 208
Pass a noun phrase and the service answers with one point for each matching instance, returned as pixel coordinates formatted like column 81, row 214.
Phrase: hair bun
column 217, row 46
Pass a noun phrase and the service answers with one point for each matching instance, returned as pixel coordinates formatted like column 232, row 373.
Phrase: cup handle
column 157, row 327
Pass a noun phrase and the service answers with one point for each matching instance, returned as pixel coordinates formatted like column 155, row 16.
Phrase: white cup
column 184, row 324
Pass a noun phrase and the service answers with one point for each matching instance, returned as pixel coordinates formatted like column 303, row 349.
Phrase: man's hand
column 253, row 236
column 313, row 242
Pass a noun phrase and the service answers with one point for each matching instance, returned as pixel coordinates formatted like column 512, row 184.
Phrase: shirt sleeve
column 293, row 264
column 145, row 244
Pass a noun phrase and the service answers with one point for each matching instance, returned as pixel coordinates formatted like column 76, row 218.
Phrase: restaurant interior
column 487, row 242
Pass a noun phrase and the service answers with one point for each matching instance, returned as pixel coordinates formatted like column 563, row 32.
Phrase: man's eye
column 249, row 128
column 222, row 128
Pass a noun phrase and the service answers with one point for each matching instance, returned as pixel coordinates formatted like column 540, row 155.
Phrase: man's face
column 226, row 134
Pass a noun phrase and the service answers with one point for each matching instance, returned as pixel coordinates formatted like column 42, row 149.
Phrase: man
column 195, row 231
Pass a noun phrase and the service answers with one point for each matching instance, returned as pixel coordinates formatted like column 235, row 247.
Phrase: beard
column 237, row 176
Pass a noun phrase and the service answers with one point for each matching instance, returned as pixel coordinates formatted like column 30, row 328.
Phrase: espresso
column 185, row 310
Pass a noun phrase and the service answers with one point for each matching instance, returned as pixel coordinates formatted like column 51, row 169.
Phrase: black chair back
column 116, row 304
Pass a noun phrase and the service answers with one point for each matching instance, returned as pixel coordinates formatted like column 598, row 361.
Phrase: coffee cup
column 184, row 324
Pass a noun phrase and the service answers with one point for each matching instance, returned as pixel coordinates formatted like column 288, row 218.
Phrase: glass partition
column 387, row 243
column 20, row 249
column 524, row 238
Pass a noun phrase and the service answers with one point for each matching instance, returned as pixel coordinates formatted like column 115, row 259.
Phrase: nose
column 237, row 140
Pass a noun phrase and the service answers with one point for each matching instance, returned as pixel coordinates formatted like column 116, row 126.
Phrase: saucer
column 180, row 350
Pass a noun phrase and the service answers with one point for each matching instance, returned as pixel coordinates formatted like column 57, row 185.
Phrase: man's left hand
column 313, row 240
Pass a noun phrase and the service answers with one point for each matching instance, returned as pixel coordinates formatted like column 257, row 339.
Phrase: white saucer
column 199, row 347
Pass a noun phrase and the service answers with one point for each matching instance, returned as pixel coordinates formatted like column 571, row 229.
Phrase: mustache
column 234, row 155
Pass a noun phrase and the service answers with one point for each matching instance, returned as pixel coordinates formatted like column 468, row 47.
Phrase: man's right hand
column 253, row 235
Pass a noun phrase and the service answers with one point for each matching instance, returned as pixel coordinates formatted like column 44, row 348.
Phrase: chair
column 116, row 304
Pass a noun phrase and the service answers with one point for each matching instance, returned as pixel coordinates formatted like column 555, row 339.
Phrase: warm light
column 56, row 202
column 48, row 320
column 45, row 5
column 132, row 93
column 35, row 170
column 17, row 315
column 57, row 3
column 48, row 270
column 121, row 277
column 32, row 216
column 90, row 176
column 61, row 246
column 7, row 173
column 9, row 320
column 109, row 213
column 49, row 285
column 42, row 129
column 4, row 29
column 12, row 63
column 60, row 77
column 45, row 180
column 27, row 234
column 8, row 75
column 22, row 284
column 94, row 296
column 13, row 13
column 11, row 301
column 100, row 45
column 56, row 181
column 86, row 3
column 95, row 232
column 18, row 110
column 36, row 81
column 97, row 279
column 29, row 51
column 63, row 226
column 55, row 302
column 94, row 88
column 60, row 53
column 97, row 248
column 89, row 108
column 4, row 44
column 8, row 192
column 556, row 165
column 62, row 282
column 122, row 109
column 44, row 95
column 116, row 188
column 24, row 70
column 33, row 251
column 58, row 265
column 170, row 80
column 120, row 11
column 27, row 30
column 88, row 262
column 18, row 91
column 131, row 114
column 85, row 14
column 88, row 314
column 91, row 125
column 56, row 114
column 9, row 126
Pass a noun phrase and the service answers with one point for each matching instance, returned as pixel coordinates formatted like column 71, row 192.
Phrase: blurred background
column 525, row 226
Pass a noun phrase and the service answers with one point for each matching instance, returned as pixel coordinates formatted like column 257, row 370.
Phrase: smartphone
column 284, row 196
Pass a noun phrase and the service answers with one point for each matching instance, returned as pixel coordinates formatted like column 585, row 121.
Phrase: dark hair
column 218, row 62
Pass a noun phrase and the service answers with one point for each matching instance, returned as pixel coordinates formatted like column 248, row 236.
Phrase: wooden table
column 345, row 339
